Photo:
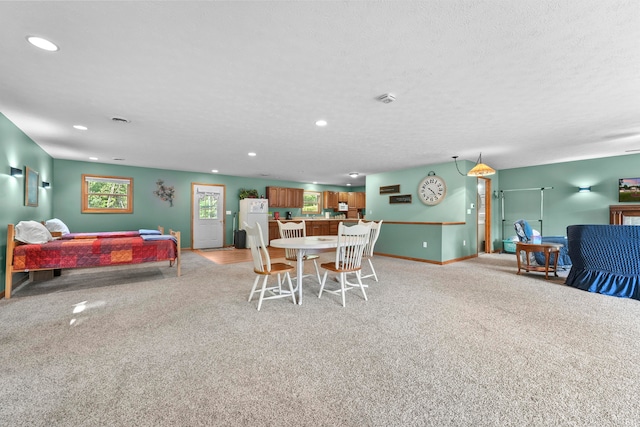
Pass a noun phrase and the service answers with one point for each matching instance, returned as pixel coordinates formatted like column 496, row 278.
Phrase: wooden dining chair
column 368, row 250
column 264, row 268
column 351, row 243
column 296, row 229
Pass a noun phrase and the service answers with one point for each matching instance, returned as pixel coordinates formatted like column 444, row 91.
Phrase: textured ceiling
column 204, row 83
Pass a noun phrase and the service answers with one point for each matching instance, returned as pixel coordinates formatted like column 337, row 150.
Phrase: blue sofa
column 606, row 259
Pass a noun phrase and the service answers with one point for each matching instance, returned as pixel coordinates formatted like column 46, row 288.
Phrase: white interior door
column 207, row 216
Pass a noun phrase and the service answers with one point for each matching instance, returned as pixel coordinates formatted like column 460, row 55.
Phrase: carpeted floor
column 466, row 344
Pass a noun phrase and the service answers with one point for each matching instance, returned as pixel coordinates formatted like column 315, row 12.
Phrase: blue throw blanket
column 158, row 237
column 563, row 260
column 144, row 231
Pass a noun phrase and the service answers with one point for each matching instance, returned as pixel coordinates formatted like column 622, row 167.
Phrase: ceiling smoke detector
column 387, row 98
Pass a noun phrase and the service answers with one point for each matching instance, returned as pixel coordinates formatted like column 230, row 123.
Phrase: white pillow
column 32, row 232
column 55, row 224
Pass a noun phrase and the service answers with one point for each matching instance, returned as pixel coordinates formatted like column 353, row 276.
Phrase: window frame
column 212, row 208
column 86, row 178
column 318, row 195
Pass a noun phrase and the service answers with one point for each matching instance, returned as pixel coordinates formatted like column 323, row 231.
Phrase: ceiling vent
column 387, row 98
column 120, row 120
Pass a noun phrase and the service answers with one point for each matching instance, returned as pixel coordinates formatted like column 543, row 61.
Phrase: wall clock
column 432, row 189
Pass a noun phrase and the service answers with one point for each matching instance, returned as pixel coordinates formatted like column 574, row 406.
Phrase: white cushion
column 32, row 232
column 55, row 224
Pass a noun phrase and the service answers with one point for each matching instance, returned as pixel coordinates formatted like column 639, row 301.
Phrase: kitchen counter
column 314, row 226
column 298, row 219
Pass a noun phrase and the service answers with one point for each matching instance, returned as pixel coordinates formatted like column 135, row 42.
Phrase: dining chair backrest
column 290, row 230
column 375, row 232
column 259, row 252
column 351, row 243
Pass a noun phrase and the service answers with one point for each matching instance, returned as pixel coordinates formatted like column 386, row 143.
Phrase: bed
column 81, row 250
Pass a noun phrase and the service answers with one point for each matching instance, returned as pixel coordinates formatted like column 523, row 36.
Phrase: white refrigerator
column 255, row 211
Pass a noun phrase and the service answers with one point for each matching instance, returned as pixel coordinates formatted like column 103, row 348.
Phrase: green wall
column 19, row 151
column 148, row 210
column 444, row 242
column 563, row 205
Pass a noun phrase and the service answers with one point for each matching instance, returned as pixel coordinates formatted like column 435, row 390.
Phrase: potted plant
column 248, row 193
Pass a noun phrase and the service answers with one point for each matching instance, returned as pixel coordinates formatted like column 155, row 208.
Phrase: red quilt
column 87, row 252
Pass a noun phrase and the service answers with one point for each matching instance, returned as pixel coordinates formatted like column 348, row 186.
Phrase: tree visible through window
column 312, row 202
column 208, row 206
column 107, row 194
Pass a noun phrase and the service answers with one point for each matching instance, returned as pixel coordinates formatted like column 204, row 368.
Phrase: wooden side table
column 546, row 248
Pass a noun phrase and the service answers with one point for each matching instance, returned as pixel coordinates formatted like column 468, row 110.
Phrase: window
column 312, row 202
column 208, row 206
column 107, row 194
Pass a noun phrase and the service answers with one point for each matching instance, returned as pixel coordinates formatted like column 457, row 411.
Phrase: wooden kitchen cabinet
column 295, row 197
column 356, row 200
column 330, row 199
column 274, row 231
column 282, row 197
column 319, row 228
column 277, row 198
column 343, row 196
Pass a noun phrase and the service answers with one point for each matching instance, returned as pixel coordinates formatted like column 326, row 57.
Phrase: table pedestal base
column 547, row 249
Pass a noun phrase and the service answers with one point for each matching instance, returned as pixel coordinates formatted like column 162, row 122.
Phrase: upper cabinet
column 330, row 199
column 295, row 197
column 282, row 197
column 355, row 200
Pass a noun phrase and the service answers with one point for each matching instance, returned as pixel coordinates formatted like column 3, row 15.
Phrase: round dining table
column 304, row 246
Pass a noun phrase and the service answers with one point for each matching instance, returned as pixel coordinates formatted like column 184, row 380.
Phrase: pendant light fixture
column 480, row 169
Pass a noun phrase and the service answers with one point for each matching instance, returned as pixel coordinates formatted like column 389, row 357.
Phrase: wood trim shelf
column 618, row 214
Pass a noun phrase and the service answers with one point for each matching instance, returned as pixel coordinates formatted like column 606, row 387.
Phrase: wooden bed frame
column 12, row 243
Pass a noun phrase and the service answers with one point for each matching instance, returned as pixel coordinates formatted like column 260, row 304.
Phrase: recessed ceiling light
column 214, row 170
column 252, row 154
column 42, row 43
column 80, row 127
column 93, row 158
column 321, row 123
column 315, row 182
column 353, row 174
column 348, row 184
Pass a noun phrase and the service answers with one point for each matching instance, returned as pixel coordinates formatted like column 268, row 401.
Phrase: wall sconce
column 16, row 172
column 585, row 189
column 480, row 169
column 45, row 184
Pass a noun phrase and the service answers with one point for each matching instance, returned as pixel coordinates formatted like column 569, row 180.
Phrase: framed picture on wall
column 31, row 187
